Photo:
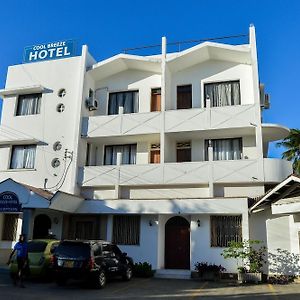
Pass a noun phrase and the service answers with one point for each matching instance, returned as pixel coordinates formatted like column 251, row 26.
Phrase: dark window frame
column 20, row 97
column 107, row 146
column 121, row 234
column 206, row 143
column 12, row 153
column 222, row 82
column 191, row 92
column 122, row 92
column 221, row 233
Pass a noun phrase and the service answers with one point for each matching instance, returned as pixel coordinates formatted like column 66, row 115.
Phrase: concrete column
column 163, row 98
column 27, row 222
column 210, row 173
column 117, row 186
column 258, row 127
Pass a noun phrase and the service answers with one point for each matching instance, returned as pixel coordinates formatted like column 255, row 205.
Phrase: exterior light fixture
column 198, row 223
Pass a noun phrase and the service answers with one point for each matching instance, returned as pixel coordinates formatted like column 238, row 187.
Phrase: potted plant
column 208, row 271
column 250, row 257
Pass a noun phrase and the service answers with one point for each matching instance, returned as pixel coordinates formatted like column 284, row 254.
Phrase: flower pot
column 209, row 276
column 249, row 277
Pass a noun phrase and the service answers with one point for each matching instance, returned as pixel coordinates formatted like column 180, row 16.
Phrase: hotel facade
column 160, row 154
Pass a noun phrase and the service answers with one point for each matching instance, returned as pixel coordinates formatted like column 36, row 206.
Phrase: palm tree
column 292, row 144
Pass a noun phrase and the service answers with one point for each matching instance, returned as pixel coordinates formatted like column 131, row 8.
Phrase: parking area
column 148, row 289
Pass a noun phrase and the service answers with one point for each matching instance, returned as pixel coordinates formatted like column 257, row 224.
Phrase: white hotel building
column 163, row 152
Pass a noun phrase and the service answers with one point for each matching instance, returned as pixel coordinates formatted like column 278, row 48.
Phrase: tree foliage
column 292, row 144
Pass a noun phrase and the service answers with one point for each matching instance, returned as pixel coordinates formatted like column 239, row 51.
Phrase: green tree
column 292, row 144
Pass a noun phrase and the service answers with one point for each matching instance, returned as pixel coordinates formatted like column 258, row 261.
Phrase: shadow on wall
column 284, row 262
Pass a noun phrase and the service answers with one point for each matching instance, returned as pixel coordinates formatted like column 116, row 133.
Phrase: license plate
column 69, row 264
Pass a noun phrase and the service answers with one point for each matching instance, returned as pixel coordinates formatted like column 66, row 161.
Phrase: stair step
column 173, row 274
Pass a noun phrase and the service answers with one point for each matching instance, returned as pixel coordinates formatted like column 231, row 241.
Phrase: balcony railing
column 175, row 121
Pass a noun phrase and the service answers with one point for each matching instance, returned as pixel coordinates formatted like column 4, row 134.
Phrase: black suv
column 92, row 261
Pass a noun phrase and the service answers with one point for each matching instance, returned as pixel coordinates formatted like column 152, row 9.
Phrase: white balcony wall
column 276, row 169
column 210, row 71
column 128, row 80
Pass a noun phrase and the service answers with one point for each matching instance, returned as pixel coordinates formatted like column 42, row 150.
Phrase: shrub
column 143, row 269
column 202, row 267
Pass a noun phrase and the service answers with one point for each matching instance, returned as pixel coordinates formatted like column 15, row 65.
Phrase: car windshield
column 36, row 246
column 73, row 249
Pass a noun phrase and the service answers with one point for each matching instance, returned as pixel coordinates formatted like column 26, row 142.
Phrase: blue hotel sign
column 9, row 202
column 48, row 51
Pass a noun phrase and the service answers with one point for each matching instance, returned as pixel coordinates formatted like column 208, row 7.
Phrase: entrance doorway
column 177, row 243
column 42, row 224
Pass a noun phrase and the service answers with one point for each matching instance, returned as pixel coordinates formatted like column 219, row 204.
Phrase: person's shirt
column 22, row 249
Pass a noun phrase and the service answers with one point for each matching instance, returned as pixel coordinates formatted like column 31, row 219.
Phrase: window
column 23, row 157
column 126, row 230
column 225, row 229
column 184, row 96
column 126, row 101
column 84, row 230
column 128, row 154
column 225, row 149
column 156, row 99
column 29, row 104
column 155, row 154
column 10, row 226
column 222, row 93
column 184, row 152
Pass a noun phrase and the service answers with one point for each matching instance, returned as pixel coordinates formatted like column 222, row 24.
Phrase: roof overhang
column 22, row 90
column 165, row 206
column 65, row 202
column 10, row 136
column 286, row 206
column 288, row 188
column 123, row 62
column 274, row 132
column 209, row 51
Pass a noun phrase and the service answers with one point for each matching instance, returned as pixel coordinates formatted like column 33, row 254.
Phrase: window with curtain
column 10, row 225
column 222, row 93
column 128, row 154
column 225, row 149
column 23, row 157
column 126, row 230
column 129, row 101
column 225, row 229
column 29, row 104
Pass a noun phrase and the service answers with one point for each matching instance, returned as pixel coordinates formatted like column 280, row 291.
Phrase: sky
column 107, row 27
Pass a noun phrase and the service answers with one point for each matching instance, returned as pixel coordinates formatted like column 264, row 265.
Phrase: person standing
column 21, row 247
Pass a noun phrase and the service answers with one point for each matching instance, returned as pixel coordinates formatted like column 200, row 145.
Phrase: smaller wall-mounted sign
column 48, row 51
column 9, row 202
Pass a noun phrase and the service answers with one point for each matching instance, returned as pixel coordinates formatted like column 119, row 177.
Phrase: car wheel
column 60, row 281
column 128, row 274
column 100, row 280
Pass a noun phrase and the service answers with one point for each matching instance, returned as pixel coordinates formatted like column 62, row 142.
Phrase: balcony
column 122, row 125
column 210, row 118
column 183, row 120
column 276, row 170
column 238, row 171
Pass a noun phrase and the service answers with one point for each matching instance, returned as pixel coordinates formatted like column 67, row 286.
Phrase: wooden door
column 155, row 156
column 156, row 100
column 177, row 244
column 184, row 97
column 184, row 154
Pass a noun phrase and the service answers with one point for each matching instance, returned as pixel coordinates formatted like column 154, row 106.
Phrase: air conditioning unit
column 91, row 103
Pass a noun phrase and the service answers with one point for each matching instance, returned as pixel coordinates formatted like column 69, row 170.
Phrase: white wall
column 47, row 127
column 128, row 80
column 146, row 251
column 211, row 71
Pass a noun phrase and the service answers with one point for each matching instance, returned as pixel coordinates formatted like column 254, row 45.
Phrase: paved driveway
column 148, row 289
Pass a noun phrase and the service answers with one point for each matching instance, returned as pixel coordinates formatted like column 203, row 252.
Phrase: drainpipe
column 210, row 172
